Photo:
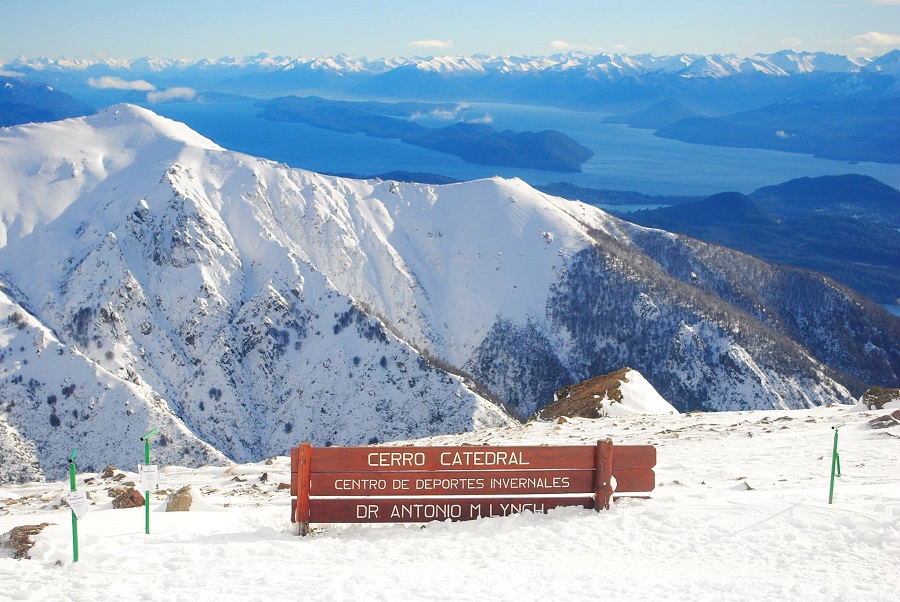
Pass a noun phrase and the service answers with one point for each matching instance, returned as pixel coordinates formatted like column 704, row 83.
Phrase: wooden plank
column 634, row 456
column 634, row 479
column 303, row 477
column 431, row 483
column 381, row 510
column 381, row 459
column 603, row 475
column 295, row 454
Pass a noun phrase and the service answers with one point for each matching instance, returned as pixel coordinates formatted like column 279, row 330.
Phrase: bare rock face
column 130, row 498
column 19, row 541
column 624, row 392
column 180, row 501
column 586, row 399
column 887, row 421
column 876, row 397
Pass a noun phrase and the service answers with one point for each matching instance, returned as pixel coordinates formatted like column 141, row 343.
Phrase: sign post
column 74, row 517
column 421, row 484
column 148, row 477
column 835, row 463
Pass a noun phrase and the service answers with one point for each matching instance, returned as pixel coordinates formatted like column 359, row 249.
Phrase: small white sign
column 78, row 502
column 149, row 474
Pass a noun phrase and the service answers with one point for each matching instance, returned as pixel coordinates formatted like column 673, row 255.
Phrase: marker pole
column 146, row 440
column 74, row 518
column 835, row 463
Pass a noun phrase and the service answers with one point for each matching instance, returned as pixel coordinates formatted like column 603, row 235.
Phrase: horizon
column 4, row 61
column 400, row 29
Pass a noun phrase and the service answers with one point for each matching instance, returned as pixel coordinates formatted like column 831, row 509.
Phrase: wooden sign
column 421, row 484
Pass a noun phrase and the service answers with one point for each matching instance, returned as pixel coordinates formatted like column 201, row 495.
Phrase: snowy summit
column 151, row 278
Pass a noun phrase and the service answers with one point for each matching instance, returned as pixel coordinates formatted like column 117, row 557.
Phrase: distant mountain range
column 149, row 277
column 24, row 101
column 817, row 103
column 721, row 82
column 845, row 226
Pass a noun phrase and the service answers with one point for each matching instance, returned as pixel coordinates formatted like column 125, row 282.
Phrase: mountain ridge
column 717, row 83
column 259, row 305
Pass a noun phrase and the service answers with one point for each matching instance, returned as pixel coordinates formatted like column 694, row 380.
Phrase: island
column 548, row 150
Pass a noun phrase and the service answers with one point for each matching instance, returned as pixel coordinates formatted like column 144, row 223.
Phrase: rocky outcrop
column 618, row 393
column 18, row 541
column 876, row 397
column 180, row 501
column 130, row 498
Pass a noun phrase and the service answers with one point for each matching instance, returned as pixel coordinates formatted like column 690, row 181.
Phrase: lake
column 624, row 158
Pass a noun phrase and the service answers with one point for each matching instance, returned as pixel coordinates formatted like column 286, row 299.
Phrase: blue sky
column 197, row 29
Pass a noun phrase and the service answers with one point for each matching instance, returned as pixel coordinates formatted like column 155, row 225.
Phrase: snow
column 612, row 66
column 243, row 305
column 740, row 512
column 638, row 397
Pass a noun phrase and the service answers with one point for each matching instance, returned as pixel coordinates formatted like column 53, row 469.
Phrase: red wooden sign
column 421, row 484
column 431, row 483
column 389, row 510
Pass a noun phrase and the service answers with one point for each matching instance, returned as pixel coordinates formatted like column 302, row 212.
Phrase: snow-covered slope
column 161, row 260
column 253, row 306
column 740, row 513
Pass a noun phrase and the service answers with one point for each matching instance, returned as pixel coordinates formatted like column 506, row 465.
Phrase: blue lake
column 624, row 158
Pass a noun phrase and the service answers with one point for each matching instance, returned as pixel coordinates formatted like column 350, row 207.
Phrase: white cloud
column 564, row 46
column 432, row 44
column 11, row 74
column 441, row 114
column 117, row 83
column 172, row 94
column 791, row 43
column 876, row 38
column 487, row 118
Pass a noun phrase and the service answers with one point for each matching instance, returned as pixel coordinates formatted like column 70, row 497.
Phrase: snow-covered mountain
column 780, row 63
column 151, row 278
column 713, row 83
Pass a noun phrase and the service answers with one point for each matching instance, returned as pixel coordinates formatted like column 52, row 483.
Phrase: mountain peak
column 252, row 305
column 129, row 115
column 624, row 392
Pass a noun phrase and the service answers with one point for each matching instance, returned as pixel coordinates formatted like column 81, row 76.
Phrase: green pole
column 74, row 518
column 146, row 440
column 835, row 463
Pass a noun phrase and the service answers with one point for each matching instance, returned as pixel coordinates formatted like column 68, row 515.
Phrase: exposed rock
column 876, row 397
column 886, row 421
column 130, row 498
column 19, row 539
column 586, row 399
column 180, row 501
column 618, row 393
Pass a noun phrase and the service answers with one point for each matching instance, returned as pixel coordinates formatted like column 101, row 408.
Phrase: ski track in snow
column 740, row 512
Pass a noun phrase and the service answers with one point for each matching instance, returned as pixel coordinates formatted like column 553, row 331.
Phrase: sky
column 196, row 29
